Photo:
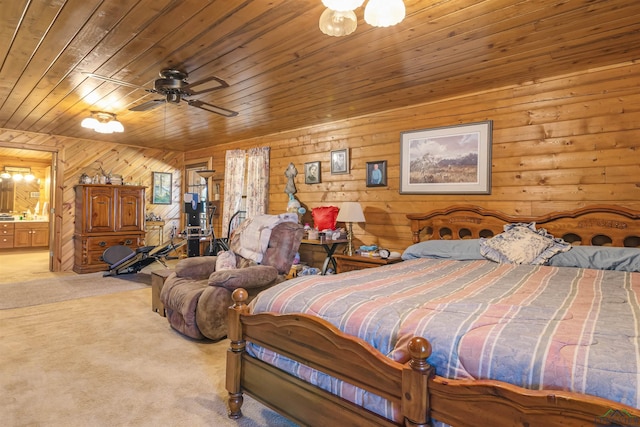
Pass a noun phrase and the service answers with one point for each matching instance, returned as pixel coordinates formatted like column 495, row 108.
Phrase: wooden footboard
column 319, row 345
column 420, row 394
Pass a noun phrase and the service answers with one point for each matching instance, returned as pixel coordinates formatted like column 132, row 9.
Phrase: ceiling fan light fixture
column 174, row 87
column 337, row 24
column 384, row 13
column 102, row 122
column 89, row 123
column 342, row 5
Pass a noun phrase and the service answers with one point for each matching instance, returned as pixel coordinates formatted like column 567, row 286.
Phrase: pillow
column 521, row 243
column 598, row 257
column 460, row 250
column 324, row 218
column 226, row 261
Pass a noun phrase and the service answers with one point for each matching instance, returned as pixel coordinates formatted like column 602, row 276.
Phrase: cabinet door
column 99, row 210
column 130, row 205
column 22, row 238
column 40, row 237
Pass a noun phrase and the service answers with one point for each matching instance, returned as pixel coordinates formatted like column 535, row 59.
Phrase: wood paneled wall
column 78, row 156
column 559, row 143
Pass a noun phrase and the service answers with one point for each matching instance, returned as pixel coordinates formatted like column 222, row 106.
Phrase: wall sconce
column 17, row 173
column 339, row 19
column 102, row 122
column 350, row 212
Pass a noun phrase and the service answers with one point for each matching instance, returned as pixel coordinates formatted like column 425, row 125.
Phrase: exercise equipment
column 124, row 260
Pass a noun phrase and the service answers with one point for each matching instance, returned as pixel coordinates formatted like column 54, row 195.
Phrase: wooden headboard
column 598, row 225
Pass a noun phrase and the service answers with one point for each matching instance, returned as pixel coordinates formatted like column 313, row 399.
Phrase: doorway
column 32, row 201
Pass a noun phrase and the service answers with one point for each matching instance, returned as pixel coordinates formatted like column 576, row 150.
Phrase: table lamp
column 350, row 212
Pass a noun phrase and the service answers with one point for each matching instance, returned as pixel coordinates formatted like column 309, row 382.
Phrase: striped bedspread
column 532, row 326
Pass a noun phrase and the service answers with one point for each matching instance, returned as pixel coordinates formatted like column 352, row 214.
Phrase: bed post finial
column 419, row 350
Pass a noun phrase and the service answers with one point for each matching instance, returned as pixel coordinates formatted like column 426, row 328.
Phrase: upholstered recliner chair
column 196, row 296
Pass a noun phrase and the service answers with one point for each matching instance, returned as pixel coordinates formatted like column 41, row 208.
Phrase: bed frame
column 415, row 386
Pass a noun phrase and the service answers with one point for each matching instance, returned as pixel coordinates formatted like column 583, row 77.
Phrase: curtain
column 257, row 181
column 233, row 186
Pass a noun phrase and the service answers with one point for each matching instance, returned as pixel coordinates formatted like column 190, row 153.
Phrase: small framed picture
column 161, row 189
column 377, row 173
column 312, row 173
column 340, row 161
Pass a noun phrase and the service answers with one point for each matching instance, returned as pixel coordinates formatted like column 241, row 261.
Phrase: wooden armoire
column 106, row 215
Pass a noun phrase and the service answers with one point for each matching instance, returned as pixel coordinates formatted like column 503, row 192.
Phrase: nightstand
column 358, row 262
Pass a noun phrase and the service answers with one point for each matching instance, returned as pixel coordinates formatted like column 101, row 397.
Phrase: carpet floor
column 109, row 360
column 67, row 286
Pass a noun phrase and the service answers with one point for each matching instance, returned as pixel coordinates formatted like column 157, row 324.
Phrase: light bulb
column 103, row 128
column 89, row 123
column 337, row 24
column 116, row 126
column 342, row 5
column 384, row 13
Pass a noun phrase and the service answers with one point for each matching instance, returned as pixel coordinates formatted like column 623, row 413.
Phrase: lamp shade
column 342, row 5
column 350, row 212
column 334, row 23
column 384, row 13
column 89, row 123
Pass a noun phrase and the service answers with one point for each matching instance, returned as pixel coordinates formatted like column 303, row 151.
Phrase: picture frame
column 312, row 173
column 447, row 160
column 377, row 173
column 340, row 161
column 161, row 188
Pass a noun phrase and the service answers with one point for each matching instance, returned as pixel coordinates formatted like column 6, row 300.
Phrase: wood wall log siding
column 558, row 144
column 78, row 156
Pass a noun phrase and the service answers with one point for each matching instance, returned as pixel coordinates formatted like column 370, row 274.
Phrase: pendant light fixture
column 339, row 19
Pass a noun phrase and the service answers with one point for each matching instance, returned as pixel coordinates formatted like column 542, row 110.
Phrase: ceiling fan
column 173, row 85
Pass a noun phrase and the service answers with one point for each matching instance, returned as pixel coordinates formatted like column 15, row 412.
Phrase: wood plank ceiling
column 282, row 71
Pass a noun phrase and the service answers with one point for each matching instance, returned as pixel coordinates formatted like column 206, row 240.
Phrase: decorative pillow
column 324, row 218
column 226, row 261
column 522, row 244
column 598, row 257
column 460, row 250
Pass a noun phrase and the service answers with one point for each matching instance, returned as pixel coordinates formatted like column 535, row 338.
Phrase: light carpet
column 67, row 286
column 111, row 361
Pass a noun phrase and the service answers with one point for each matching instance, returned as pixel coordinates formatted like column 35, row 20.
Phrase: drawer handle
column 103, row 244
column 128, row 242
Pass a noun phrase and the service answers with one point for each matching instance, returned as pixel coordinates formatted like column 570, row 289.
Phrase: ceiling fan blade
column 206, row 85
column 149, row 105
column 116, row 81
column 211, row 108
